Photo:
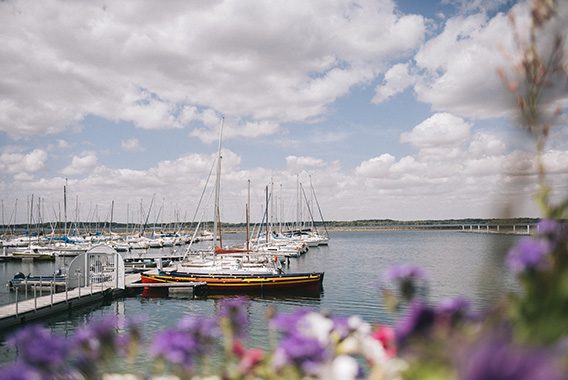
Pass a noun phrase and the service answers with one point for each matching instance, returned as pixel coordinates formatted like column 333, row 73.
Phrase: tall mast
column 266, row 192
column 65, row 208
column 297, row 201
column 30, row 220
column 15, row 214
column 248, row 216
column 217, row 211
column 280, row 215
column 3, row 224
column 111, row 215
column 271, row 205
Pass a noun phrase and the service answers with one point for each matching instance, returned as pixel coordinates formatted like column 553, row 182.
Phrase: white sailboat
column 232, row 269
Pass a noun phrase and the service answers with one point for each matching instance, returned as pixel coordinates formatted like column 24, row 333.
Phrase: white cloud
column 459, row 67
column 295, row 164
column 80, row 164
column 396, row 80
column 234, row 129
column 412, row 187
column 439, row 130
column 20, row 163
column 158, row 66
column 376, row 167
column 131, row 145
column 484, row 144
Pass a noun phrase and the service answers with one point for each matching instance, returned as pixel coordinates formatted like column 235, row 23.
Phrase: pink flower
column 385, row 335
column 251, row 359
column 238, row 348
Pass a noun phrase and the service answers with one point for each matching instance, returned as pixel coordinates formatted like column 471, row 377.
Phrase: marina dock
column 43, row 306
column 96, row 275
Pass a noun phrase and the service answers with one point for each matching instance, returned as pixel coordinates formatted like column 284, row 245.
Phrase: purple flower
column 550, row 227
column 288, row 322
column 498, row 359
column 528, row 254
column 175, row 346
column 191, row 338
column 19, row 371
column 453, row 306
column 305, row 353
column 203, row 331
column 454, row 310
column 405, row 272
column 97, row 340
column 341, row 326
column 418, row 321
column 409, row 278
column 126, row 343
column 39, row 348
column 552, row 230
column 235, row 312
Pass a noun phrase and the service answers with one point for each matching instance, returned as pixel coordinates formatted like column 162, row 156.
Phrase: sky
column 380, row 109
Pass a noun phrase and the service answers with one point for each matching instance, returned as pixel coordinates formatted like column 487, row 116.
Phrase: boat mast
column 319, row 208
column 272, row 209
column 297, row 201
column 248, row 216
column 217, row 211
column 3, row 224
column 30, row 220
column 65, row 208
column 280, row 214
column 266, row 192
column 111, row 215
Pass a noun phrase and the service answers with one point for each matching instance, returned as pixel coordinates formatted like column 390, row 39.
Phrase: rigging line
column 319, row 209
column 188, row 249
column 204, row 190
column 197, row 209
column 309, row 209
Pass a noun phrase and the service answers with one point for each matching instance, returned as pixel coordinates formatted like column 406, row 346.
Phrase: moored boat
column 238, row 283
column 234, row 269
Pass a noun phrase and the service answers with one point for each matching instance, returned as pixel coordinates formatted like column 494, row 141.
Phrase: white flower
column 343, row 367
column 315, row 325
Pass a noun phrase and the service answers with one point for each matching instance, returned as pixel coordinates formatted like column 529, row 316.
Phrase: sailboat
column 234, row 270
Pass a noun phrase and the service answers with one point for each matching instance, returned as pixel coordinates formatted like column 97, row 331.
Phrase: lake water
column 457, row 263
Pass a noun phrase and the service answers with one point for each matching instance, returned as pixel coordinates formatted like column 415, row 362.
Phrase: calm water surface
column 457, row 263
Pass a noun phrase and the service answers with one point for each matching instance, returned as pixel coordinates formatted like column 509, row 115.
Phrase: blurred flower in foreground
column 183, row 345
column 234, row 312
column 529, row 255
column 417, row 322
column 39, row 352
column 410, row 280
column 497, row 358
column 387, row 337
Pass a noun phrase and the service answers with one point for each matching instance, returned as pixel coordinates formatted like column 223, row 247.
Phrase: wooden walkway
column 52, row 304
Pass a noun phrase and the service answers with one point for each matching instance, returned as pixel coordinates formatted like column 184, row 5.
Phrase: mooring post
column 51, row 288
column 40, row 286
column 91, row 283
column 26, row 288
column 16, row 301
column 66, row 292
column 79, row 279
column 35, row 297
